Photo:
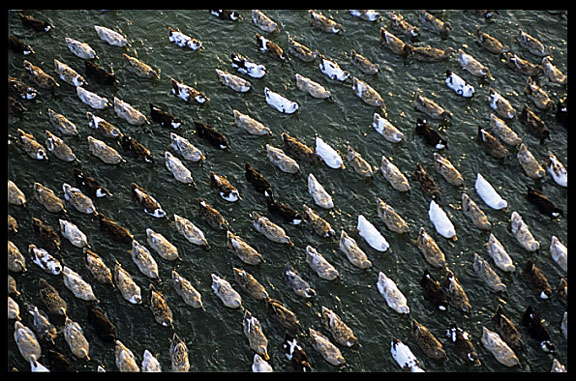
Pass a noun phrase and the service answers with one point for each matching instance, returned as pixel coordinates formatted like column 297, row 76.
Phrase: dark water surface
column 214, row 335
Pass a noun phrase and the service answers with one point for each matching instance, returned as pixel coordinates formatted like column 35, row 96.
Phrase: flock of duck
column 40, row 320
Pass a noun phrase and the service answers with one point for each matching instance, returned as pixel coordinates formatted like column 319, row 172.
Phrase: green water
column 214, row 336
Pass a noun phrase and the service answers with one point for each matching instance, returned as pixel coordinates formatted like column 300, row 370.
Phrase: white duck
column 488, row 194
column 321, row 197
column 557, row 170
column 393, row 296
column 328, row 154
column 385, row 128
column 332, row 69
column 441, row 222
column 459, row 85
column 279, row 102
column 371, row 235
column 404, row 356
column 559, row 253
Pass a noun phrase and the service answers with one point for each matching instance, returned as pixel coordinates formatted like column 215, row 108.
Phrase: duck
column 60, row 149
column 456, row 292
column 13, row 309
column 319, row 225
column 129, row 113
column 12, row 224
column 71, row 232
column 521, row 65
column 282, row 161
column 311, row 87
column 248, row 283
column 284, row 212
column 224, row 290
column 99, row 74
column 143, row 70
column 396, row 45
column 391, row 218
column 395, row 299
column 371, row 235
column 332, row 70
column 447, row 170
column 296, row 354
column 51, row 300
column 45, row 330
column 463, row 345
column 529, row 164
column 266, row 45
column 63, row 125
column 225, row 189
column 498, row 347
column 264, row 22
column 68, row 75
column 15, row 194
column 472, row 65
column 160, row 309
column 79, row 200
column 427, row 183
column 325, row 24
column 501, row 105
column 522, row 233
column 301, row 51
column 128, row 288
column 124, row 357
column 364, row 64
column 431, row 136
column 187, row 150
column 532, row 44
column 490, row 43
column 251, row 125
column 404, row 357
column 213, row 136
column 552, row 72
column 536, row 280
column 244, row 66
column 182, row 40
column 339, row 330
column 441, row 222
column 427, row 342
column 92, row 99
column 180, row 172
column 259, row 365
column 487, row 274
column 395, row 177
column 163, row 117
column 242, row 250
column 150, row 363
column 269, row 229
column 459, row 85
column 536, row 126
column 358, row 163
column 297, row 149
column 253, row 331
column 433, row 23
column 320, row 265
column 77, row 285
column 105, row 128
column 279, row 102
column 507, row 330
column 226, row 14
column 537, row 330
column 428, row 53
column 557, row 170
column 16, row 261
column 212, row 216
column 367, row 93
column 39, row 76
column 538, row 96
column 110, row 36
column 430, row 249
column 80, row 49
column 491, row 145
column 186, row 290
column 501, row 258
column 505, row 133
column 321, row 197
column 96, row 266
column 49, row 238
column 260, row 183
column 47, row 198
column 149, row 203
column 433, row 292
column 398, row 23
column 385, row 128
column 116, row 231
column 187, row 93
column 44, row 260
column 92, row 187
column 34, row 23
column 102, row 325
column 559, row 253
column 354, row 254
column 26, row 342
column 300, row 286
column 190, row 231
column 19, row 46
column 329, row 351
column 488, row 194
column 234, row 82
column 30, row 145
